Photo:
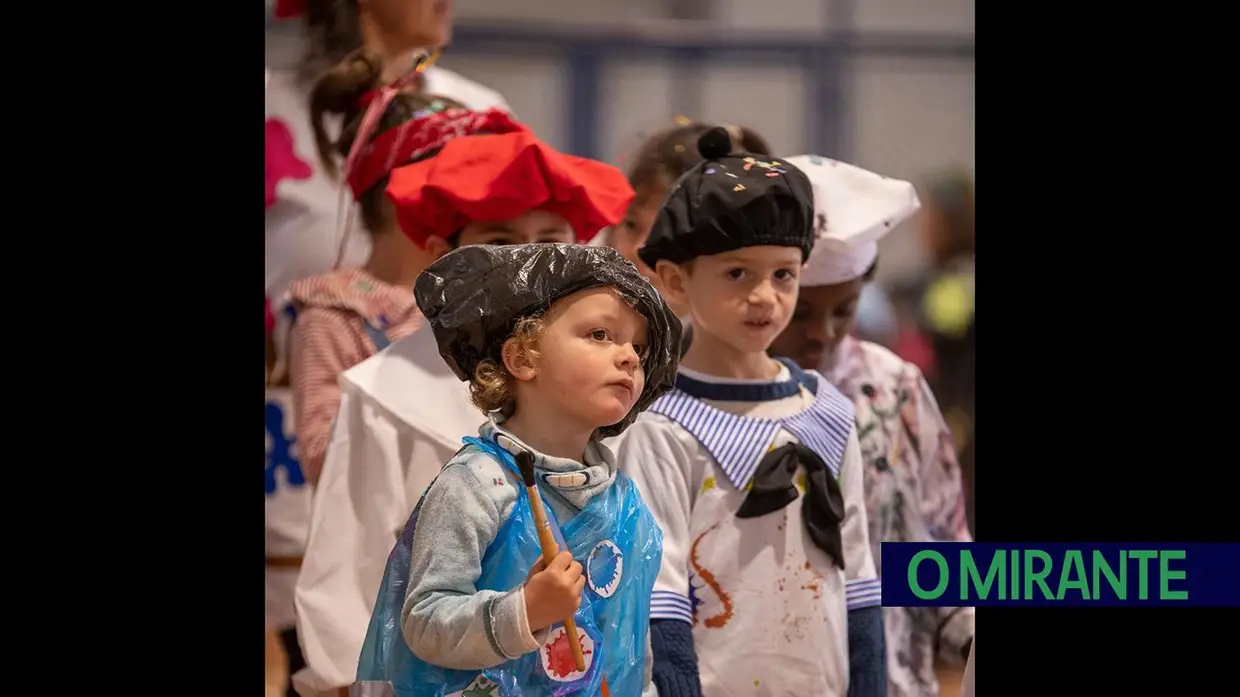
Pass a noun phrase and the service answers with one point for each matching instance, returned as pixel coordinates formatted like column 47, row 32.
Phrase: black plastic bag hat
column 730, row 201
column 473, row 296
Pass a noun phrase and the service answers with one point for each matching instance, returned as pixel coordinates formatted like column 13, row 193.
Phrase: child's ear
column 517, row 361
column 437, row 246
column 672, row 277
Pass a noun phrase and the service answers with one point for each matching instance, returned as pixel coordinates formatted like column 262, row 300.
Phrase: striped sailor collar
column 738, row 443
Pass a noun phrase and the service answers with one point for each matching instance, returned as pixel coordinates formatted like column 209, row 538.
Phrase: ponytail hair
column 339, row 92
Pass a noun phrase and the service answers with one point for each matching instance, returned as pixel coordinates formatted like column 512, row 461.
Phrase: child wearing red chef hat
column 390, row 146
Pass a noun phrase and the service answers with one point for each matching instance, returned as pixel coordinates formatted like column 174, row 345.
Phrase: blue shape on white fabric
column 694, row 601
column 604, row 567
column 280, row 452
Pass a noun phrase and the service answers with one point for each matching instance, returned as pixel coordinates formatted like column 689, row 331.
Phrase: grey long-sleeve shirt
column 446, row 620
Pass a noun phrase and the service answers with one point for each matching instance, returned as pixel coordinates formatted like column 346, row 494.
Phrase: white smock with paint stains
column 769, row 609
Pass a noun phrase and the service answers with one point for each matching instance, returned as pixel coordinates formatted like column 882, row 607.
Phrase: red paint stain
column 560, row 656
column 815, row 585
column 708, row 578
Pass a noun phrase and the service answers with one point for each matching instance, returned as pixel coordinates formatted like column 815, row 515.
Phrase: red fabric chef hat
column 418, row 136
column 497, row 177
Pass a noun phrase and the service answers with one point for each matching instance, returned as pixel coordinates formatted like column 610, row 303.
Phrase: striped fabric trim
column 738, row 443
column 865, row 592
column 668, row 605
column 381, row 304
column 825, row 426
column 334, row 333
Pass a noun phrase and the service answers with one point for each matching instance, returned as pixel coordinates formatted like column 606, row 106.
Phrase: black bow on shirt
column 773, row 488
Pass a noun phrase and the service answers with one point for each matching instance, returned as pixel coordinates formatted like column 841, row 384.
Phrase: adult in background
column 303, row 38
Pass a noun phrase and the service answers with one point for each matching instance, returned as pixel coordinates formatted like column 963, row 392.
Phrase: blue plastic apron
column 617, row 541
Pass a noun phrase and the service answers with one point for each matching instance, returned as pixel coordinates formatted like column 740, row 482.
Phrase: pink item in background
column 271, row 319
column 282, row 160
column 914, row 347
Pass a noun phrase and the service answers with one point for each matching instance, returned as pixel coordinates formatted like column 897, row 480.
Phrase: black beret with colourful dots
column 729, row 201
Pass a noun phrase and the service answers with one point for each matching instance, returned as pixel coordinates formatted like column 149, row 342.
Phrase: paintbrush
column 525, row 462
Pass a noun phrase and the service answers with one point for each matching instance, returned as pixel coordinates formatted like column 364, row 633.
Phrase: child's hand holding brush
column 562, row 587
column 553, row 591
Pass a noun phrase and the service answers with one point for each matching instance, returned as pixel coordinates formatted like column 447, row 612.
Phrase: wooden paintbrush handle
column 549, row 549
column 574, row 643
column 549, row 546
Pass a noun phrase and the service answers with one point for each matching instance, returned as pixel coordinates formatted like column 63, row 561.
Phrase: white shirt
column 768, row 607
column 402, row 416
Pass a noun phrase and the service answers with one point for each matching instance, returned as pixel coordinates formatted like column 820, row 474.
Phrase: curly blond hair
column 493, row 388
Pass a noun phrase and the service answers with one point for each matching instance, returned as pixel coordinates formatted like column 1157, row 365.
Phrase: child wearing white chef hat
column 912, row 477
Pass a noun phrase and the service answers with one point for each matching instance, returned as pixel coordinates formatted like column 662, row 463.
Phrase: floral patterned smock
column 913, row 494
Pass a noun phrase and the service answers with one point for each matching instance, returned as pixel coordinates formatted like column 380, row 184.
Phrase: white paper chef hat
column 853, row 209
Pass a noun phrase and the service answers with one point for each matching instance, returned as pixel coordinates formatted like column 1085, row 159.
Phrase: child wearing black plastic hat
column 561, row 345
column 750, row 464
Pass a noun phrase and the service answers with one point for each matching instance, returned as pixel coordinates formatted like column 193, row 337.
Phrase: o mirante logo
column 977, row 574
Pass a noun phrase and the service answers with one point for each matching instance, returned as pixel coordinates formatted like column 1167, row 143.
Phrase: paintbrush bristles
column 525, row 463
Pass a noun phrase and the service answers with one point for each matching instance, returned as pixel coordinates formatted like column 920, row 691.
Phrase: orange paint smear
column 709, row 579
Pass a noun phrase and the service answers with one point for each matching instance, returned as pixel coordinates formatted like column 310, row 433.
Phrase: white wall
column 911, row 116
column 769, row 99
column 799, row 16
column 534, row 86
column 539, row 11
column 931, row 16
column 637, row 101
column 794, row 16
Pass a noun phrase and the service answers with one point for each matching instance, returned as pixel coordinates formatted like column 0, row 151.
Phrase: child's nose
column 762, row 294
column 628, row 356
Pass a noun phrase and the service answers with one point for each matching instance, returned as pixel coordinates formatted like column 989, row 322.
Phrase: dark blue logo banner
column 1108, row 574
